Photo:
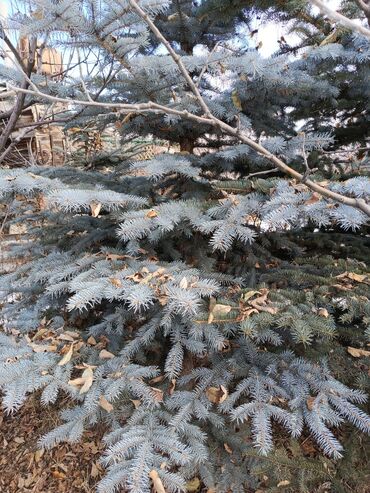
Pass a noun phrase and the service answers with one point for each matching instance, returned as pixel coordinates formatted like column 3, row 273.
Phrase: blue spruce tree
column 206, row 303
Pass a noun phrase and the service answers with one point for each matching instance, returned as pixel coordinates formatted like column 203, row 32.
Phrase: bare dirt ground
column 25, row 468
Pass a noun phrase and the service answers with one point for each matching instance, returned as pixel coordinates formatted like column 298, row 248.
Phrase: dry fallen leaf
column 94, row 470
column 65, row 337
column 260, row 303
column 172, row 387
column 85, row 380
column 58, row 475
column 38, row 454
column 116, row 282
column 217, row 310
column 216, row 395
column 227, row 448
column 42, row 348
column 250, row 294
column 151, row 214
column 107, row 406
column 315, row 197
column 115, row 256
column 157, row 482
column 310, row 402
column 157, row 394
column 104, row 354
column 357, row 277
column 136, row 403
column 73, row 334
column 92, row 341
column 157, row 379
column 184, row 283
column 67, row 357
column 95, row 208
column 357, row 352
column 323, row 312
column 354, row 277
column 285, row 482
column 88, row 376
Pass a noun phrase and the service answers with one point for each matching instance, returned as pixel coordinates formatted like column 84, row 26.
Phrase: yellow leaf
column 38, row 454
column 107, row 406
column 95, row 208
column 67, row 357
column 193, row 485
column 104, row 354
column 250, row 294
column 236, row 100
column 357, row 352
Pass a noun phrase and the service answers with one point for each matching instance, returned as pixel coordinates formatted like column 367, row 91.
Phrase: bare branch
column 174, row 55
column 151, row 107
column 18, row 107
column 341, row 19
column 365, row 7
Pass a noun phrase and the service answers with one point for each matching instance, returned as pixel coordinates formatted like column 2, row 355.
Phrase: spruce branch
column 208, row 119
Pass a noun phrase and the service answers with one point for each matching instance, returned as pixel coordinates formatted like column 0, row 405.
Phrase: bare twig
column 341, row 19
column 205, row 68
column 156, row 108
column 265, row 172
column 365, row 7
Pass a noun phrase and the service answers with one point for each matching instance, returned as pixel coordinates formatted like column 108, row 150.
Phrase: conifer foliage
column 206, row 304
